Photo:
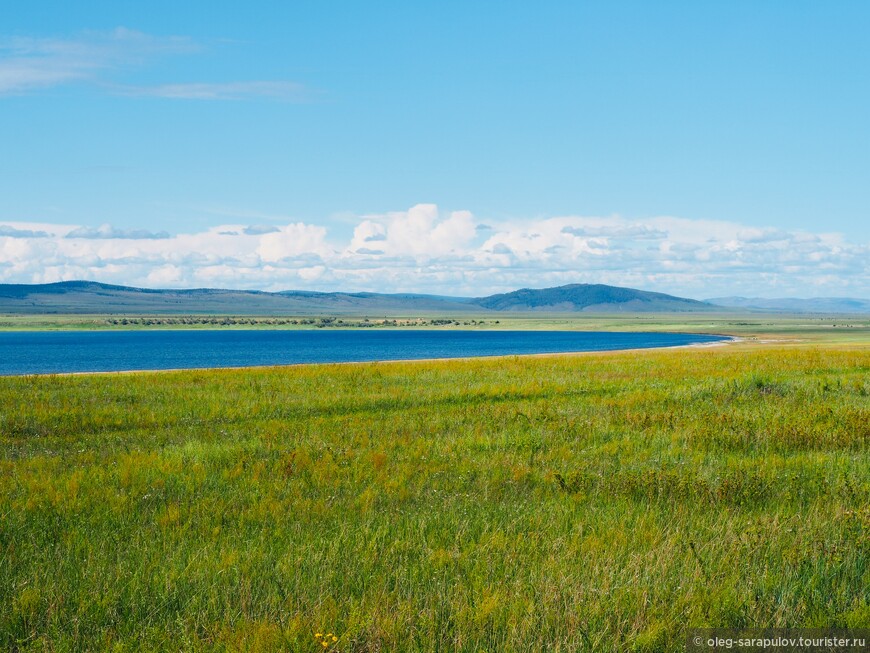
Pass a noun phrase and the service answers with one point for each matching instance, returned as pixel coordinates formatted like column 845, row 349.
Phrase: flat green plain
column 601, row 502
column 825, row 329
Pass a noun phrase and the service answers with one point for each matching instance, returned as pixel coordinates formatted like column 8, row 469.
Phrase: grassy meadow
column 599, row 502
column 799, row 328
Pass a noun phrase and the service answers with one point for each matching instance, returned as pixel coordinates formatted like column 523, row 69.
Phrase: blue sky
column 703, row 149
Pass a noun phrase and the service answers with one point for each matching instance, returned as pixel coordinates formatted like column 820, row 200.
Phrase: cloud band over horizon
column 431, row 251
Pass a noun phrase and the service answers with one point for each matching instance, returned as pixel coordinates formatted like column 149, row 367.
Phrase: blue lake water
column 49, row 352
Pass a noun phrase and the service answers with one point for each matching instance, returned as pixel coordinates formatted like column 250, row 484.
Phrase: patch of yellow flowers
column 326, row 640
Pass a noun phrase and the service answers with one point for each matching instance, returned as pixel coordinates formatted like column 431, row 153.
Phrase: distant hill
column 88, row 297
column 792, row 305
column 590, row 298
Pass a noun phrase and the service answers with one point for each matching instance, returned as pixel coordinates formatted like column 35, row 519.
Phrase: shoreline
column 727, row 340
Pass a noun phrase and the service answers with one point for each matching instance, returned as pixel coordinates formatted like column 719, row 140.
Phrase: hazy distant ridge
column 92, row 297
column 795, row 305
column 84, row 297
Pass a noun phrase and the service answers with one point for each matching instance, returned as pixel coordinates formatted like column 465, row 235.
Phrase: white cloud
column 626, row 232
column 278, row 90
column 27, row 64
column 107, row 231
column 427, row 250
column 30, row 64
column 297, row 241
column 11, row 232
column 256, row 230
column 419, row 233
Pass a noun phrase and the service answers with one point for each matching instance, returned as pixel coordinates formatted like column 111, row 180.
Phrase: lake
column 50, row 352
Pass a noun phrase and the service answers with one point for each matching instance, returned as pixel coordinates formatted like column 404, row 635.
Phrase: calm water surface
column 48, row 352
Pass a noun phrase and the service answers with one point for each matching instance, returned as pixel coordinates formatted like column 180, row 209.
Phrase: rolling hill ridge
column 89, row 297
column 589, row 297
column 828, row 305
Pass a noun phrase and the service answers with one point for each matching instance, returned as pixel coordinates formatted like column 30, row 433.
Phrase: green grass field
column 597, row 502
column 820, row 329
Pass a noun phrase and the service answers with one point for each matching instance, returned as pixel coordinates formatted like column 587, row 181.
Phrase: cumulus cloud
column 626, row 232
column 763, row 235
column 256, row 230
column 420, row 233
column 424, row 249
column 297, row 241
column 107, row 231
column 7, row 231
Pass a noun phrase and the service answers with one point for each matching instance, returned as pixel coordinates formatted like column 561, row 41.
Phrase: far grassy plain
column 821, row 329
column 592, row 502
